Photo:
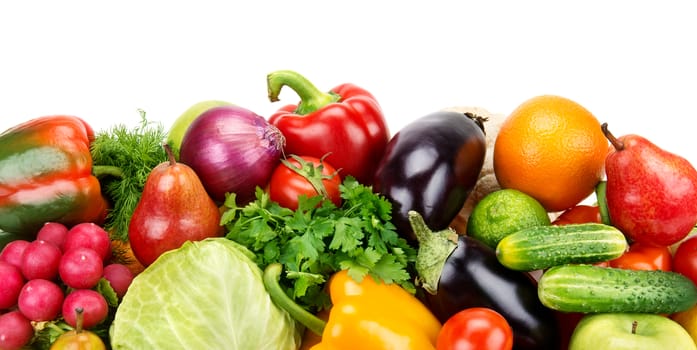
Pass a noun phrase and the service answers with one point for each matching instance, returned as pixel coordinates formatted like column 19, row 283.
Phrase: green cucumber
column 541, row 247
column 593, row 289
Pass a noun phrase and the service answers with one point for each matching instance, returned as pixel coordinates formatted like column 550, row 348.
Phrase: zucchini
column 541, row 247
column 592, row 289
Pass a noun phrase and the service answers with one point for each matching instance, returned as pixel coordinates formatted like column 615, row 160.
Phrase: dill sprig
column 135, row 151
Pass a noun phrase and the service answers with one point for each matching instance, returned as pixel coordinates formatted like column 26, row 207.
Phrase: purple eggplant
column 456, row 272
column 431, row 166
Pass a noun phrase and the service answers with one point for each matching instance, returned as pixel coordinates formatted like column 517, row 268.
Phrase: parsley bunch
column 319, row 239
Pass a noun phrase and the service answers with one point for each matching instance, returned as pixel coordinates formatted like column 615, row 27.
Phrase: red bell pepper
column 345, row 124
column 46, row 175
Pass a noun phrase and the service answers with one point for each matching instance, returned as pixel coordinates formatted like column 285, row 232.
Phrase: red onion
column 232, row 149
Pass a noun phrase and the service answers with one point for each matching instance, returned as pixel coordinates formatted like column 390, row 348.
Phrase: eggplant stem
column 479, row 120
column 434, row 250
column 272, row 274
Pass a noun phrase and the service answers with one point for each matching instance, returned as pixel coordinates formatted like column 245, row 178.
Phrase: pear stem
column 170, row 154
column 634, row 325
column 619, row 145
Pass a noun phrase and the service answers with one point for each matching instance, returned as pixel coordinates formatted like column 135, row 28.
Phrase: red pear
column 651, row 193
column 174, row 208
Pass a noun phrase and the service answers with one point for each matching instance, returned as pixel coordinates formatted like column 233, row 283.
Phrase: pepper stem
column 434, row 250
column 272, row 273
column 311, row 98
column 101, row 171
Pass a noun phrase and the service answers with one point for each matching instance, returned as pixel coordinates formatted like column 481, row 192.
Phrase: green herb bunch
column 133, row 152
column 319, row 239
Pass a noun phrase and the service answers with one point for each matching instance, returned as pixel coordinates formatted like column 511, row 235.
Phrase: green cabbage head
column 205, row 295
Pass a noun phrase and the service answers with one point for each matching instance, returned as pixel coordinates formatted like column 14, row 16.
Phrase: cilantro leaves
column 319, row 239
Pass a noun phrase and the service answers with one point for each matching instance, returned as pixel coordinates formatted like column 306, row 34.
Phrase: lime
column 503, row 212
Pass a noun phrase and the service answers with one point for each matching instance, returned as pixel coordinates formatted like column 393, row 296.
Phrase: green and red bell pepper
column 46, row 175
column 346, row 124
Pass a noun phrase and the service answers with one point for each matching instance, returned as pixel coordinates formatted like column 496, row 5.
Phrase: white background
column 632, row 63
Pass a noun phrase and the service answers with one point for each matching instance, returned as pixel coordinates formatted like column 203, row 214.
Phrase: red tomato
column 642, row 256
column 578, row 215
column 287, row 185
column 685, row 259
column 477, row 328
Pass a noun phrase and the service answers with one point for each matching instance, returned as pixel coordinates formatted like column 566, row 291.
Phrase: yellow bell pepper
column 368, row 315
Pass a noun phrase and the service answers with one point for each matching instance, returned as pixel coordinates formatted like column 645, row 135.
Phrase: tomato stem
column 313, row 174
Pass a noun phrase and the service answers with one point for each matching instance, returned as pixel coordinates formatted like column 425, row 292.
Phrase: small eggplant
column 456, row 272
column 431, row 165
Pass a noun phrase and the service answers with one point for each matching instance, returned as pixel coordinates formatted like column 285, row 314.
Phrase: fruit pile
column 61, row 271
column 273, row 232
column 615, row 263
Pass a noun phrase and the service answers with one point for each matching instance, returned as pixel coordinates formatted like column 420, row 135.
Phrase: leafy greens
column 319, row 239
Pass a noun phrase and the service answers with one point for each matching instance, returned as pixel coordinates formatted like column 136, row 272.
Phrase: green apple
column 181, row 124
column 619, row 331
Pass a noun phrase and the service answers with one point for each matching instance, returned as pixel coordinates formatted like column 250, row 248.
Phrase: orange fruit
column 552, row 149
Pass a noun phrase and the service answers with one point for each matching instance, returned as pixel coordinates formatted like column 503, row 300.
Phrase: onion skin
column 232, row 149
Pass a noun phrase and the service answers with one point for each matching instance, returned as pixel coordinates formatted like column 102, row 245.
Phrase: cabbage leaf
column 205, row 295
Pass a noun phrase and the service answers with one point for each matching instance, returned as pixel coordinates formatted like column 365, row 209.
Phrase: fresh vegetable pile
column 318, row 228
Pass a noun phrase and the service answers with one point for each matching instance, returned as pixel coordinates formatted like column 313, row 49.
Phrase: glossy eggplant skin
column 431, row 165
column 473, row 277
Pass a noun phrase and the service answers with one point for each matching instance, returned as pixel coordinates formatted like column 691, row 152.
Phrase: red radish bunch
column 49, row 277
